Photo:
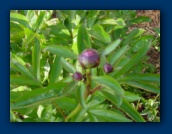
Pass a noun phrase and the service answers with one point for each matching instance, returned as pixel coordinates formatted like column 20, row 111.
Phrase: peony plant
column 72, row 66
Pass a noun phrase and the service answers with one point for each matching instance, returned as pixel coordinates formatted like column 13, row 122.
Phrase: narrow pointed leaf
column 109, row 82
column 131, row 111
column 109, row 116
column 22, row 80
column 113, row 97
column 111, row 47
column 117, row 55
column 142, row 85
column 140, row 19
column 61, row 51
column 55, row 70
column 22, row 69
column 118, row 22
column 126, row 107
column 92, row 117
column 67, row 66
column 40, row 20
column 71, row 86
column 133, row 61
column 38, row 96
column 92, row 16
column 30, row 36
column 36, row 57
column 152, row 78
column 132, row 35
column 21, row 19
column 83, row 39
column 80, row 94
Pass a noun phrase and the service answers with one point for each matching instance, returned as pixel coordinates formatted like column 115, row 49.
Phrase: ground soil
column 149, row 27
column 153, row 53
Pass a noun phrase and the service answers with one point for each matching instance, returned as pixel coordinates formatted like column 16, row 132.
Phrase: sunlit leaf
column 22, row 80
column 61, row 51
column 55, row 70
column 99, row 33
column 67, row 66
column 36, row 57
column 111, row 47
column 83, row 39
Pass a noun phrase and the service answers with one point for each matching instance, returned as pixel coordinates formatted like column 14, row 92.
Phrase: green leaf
column 30, row 36
column 103, row 60
column 92, row 16
column 67, row 66
column 125, row 106
column 38, row 96
column 100, row 34
column 142, row 85
column 109, row 82
column 31, row 16
column 131, row 111
column 109, row 115
column 140, row 19
column 157, row 30
column 63, row 51
column 117, row 55
column 55, row 70
column 80, row 116
column 22, row 69
column 81, row 94
column 16, row 33
column 21, row 80
column 133, row 61
column 111, row 47
column 40, row 20
column 60, row 31
column 131, row 97
column 36, row 57
column 151, row 78
column 70, row 87
column 66, row 103
column 135, row 33
column 21, row 19
column 112, row 97
column 83, row 39
column 92, row 117
column 118, row 22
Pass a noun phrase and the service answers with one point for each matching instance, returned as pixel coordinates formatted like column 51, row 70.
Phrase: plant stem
column 95, row 89
column 60, row 111
column 75, row 111
column 88, row 85
column 88, row 82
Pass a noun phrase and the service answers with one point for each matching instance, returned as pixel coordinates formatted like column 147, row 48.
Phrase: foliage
column 44, row 49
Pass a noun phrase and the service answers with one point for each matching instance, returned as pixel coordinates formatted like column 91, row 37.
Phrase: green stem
column 88, row 82
column 88, row 85
column 60, row 111
column 75, row 111
column 95, row 89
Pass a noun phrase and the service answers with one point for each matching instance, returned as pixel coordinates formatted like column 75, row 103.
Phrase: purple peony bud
column 77, row 76
column 89, row 58
column 108, row 68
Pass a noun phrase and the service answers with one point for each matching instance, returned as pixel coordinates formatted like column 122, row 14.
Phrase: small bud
column 77, row 76
column 108, row 68
column 89, row 58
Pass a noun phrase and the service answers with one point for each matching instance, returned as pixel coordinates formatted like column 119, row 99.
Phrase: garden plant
column 81, row 66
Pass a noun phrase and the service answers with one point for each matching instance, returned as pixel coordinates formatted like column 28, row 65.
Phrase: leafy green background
column 44, row 46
